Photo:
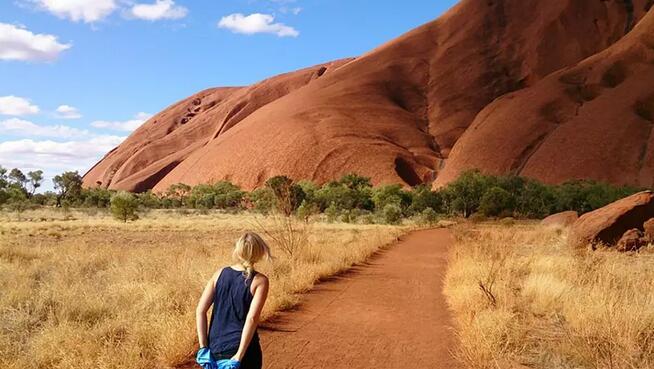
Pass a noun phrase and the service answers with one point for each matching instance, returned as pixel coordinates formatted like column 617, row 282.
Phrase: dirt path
column 387, row 314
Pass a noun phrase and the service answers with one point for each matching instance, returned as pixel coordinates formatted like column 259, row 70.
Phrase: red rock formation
column 563, row 219
column 631, row 240
column 592, row 120
column 648, row 228
column 608, row 224
column 395, row 113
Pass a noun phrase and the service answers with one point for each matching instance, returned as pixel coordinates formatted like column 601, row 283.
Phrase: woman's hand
column 238, row 357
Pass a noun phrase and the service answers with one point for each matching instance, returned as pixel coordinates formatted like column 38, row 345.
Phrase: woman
column 238, row 294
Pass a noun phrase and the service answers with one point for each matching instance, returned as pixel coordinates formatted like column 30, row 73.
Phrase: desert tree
column 17, row 178
column 288, row 195
column 391, row 194
column 465, row 193
column 179, row 192
column 3, row 177
column 422, row 198
column 124, row 206
column 68, row 186
column 497, row 201
column 35, row 179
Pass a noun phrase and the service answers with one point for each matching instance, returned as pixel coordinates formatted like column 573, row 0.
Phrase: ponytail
column 249, row 249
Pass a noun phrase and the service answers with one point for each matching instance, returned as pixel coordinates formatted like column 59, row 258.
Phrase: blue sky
column 79, row 75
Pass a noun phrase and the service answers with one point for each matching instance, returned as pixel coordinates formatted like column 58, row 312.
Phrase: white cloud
column 23, row 128
column 161, row 9
column 18, row 43
column 294, row 11
column 127, row 126
column 68, row 112
column 88, row 11
column 14, row 105
column 72, row 149
column 56, row 157
column 256, row 23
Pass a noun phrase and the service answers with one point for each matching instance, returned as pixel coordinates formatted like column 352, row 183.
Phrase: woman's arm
column 203, row 306
column 254, row 314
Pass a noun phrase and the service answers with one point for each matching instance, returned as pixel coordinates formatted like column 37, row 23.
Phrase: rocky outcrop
column 607, row 225
column 397, row 114
column 631, row 240
column 563, row 219
column 648, row 228
column 591, row 120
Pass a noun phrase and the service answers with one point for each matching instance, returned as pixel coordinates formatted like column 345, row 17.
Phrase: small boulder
column 631, row 240
column 563, row 219
column 608, row 224
column 648, row 227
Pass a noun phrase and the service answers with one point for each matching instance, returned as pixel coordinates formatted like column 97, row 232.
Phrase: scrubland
column 520, row 296
column 85, row 291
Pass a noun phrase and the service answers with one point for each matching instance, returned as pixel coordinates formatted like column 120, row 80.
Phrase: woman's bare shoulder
column 260, row 278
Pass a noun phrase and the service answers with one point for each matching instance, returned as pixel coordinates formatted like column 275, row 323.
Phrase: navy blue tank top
column 231, row 304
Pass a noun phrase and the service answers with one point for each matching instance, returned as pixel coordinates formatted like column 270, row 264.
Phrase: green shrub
column 392, row 213
column 465, row 193
column 15, row 194
column 18, row 205
column 350, row 192
column 149, row 200
column 429, row 216
column 201, row 196
column 367, row 218
column 310, row 189
column 167, row 203
column 347, row 216
column 422, row 198
column 334, row 194
column 584, row 195
column 332, row 213
column 306, row 210
column 69, row 187
column 43, row 199
column 227, row 195
column 4, row 196
column 262, row 199
column 124, row 206
column 178, row 193
column 391, row 195
column 288, row 195
column 96, row 197
column 535, row 200
column 206, row 201
column 360, row 191
column 221, row 195
column 496, row 201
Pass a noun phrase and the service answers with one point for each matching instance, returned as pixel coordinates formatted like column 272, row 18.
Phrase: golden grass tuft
column 554, row 307
column 82, row 290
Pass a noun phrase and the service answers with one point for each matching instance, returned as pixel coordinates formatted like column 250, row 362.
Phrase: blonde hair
column 249, row 249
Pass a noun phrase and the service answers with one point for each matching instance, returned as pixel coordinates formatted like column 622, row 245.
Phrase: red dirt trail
column 388, row 313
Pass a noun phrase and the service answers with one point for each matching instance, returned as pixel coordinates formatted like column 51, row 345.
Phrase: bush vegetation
column 351, row 198
column 124, row 206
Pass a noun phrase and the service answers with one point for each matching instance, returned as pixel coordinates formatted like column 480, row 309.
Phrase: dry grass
column 85, row 291
column 551, row 307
